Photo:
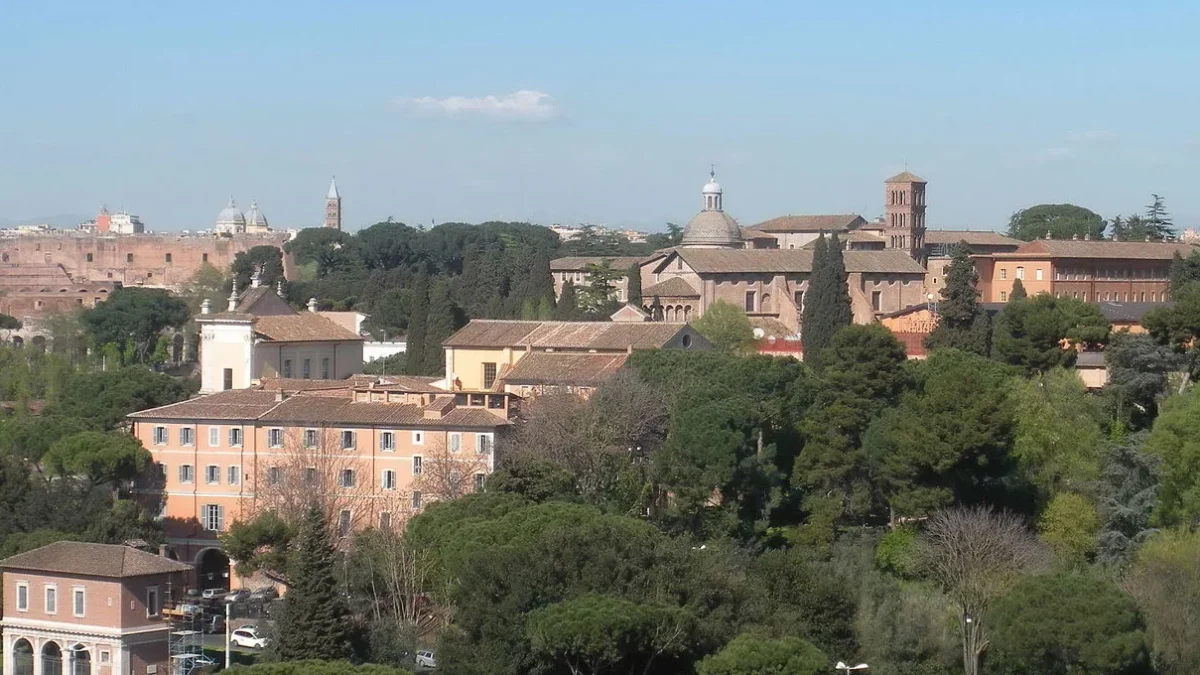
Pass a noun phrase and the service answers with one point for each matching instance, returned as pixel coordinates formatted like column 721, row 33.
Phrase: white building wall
column 225, row 346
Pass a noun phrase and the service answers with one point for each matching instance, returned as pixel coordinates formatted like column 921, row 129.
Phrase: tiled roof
column 675, row 287
column 851, row 236
column 580, row 263
column 235, row 404
column 564, row 368
column 905, row 177
column 407, row 383
column 1125, row 250
column 297, row 384
column 321, row 410
column 829, row 223
column 715, row 261
column 251, row 298
column 1090, row 360
column 302, row 327
column 748, row 233
column 94, row 560
column 771, row 327
column 565, row 334
column 972, row 237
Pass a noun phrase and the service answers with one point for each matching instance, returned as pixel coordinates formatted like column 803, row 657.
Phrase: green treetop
column 314, row 620
column 827, row 302
column 962, row 323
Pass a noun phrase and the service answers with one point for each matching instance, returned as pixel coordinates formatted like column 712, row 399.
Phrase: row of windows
column 1020, row 273
column 346, row 478
column 1072, row 274
column 129, row 258
column 78, row 599
column 187, row 436
column 311, row 438
column 306, row 369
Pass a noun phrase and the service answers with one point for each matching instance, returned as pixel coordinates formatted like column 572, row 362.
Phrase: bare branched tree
column 977, row 554
column 447, row 473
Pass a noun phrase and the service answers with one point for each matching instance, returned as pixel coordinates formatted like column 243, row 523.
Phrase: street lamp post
column 848, row 669
column 228, row 651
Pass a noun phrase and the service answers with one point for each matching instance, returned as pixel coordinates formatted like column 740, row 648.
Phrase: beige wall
column 466, row 364
column 579, row 278
column 345, row 359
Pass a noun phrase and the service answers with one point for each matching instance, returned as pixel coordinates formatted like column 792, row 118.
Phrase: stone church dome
column 255, row 217
column 712, row 227
column 230, row 216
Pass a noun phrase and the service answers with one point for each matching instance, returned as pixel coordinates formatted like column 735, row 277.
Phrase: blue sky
column 600, row 112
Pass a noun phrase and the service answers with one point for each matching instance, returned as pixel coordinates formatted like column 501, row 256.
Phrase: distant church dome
column 712, row 227
column 255, row 217
column 230, row 216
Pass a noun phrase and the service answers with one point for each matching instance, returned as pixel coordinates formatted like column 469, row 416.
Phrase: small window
column 167, row 258
column 306, row 369
column 387, row 441
column 877, row 301
column 185, row 473
column 798, row 299
column 417, row 465
column 385, row 521
column 348, row 440
column 416, row 499
column 749, row 301
column 344, row 524
column 274, row 475
column 22, row 596
column 310, row 438
column 212, row 474
column 227, row 379
column 489, row 375
column 128, row 257
column 418, row 438
column 1020, row 272
column 78, row 601
column 1003, row 273
column 275, row 438
column 346, row 478
column 287, row 367
column 51, row 599
column 235, row 437
column 454, row 440
column 235, row 475
column 325, row 368
column 483, row 443
column 152, row 601
column 187, row 436
column 389, row 480
column 1003, row 296
column 479, row 479
column 160, row 435
column 214, row 436
column 105, row 656
column 213, row 517
column 91, row 258
column 1037, row 274
column 203, row 257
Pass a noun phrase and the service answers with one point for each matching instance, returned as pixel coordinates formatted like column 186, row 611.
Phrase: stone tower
column 904, row 222
column 333, row 207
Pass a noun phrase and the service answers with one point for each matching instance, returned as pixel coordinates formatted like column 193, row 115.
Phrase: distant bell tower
column 904, row 226
column 333, row 207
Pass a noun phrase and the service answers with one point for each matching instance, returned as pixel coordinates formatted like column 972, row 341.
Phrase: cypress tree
column 439, row 327
column 568, row 305
column 1018, row 291
column 414, row 363
column 634, row 285
column 314, row 620
column 827, row 303
column 962, row 323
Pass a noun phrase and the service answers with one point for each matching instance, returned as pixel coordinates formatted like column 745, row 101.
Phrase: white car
column 248, row 637
column 213, row 593
column 426, row 659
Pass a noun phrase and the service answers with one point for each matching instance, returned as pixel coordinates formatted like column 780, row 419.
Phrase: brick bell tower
column 904, row 219
column 333, row 207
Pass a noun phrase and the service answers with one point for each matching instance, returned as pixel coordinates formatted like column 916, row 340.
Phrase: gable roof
column 972, row 237
column 564, row 368
column 94, row 560
column 818, row 223
column 905, row 177
column 742, row 261
column 1108, row 249
column 675, row 287
column 567, row 334
column 580, row 263
column 302, row 327
column 346, row 411
column 263, row 301
column 235, row 404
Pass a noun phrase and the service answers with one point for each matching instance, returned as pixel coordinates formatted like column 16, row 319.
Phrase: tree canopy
column 726, row 327
column 1060, row 221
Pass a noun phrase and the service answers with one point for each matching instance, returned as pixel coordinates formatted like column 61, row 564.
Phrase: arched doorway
column 22, row 657
column 81, row 660
column 18, row 341
column 212, row 568
column 52, row 659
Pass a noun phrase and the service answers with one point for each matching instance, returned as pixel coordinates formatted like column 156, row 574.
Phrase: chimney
column 163, row 550
column 206, row 306
column 279, row 395
column 233, row 297
column 1087, row 236
column 312, row 304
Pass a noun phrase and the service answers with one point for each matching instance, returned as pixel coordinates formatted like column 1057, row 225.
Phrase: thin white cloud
column 1097, row 136
column 526, row 104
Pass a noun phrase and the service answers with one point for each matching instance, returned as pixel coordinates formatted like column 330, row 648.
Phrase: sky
column 595, row 112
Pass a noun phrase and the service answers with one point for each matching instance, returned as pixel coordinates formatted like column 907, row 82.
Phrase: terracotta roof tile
column 235, row 404
column 604, row 335
column 564, row 368
column 819, row 223
column 95, row 560
column 580, row 263
column 675, row 287
column 972, row 237
column 905, row 177
column 716, row 261
column 302, row 327
column 318, row 410
column 1126, row 250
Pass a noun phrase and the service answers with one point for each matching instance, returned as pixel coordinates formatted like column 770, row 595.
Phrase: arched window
column 51, row 659
column 687, row 312
column 81, row 660
column 765, row 303
column 22, row 657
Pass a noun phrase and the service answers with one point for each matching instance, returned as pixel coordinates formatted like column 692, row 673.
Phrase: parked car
column 264, row 594
column 213, row 593
column 426, row 659
column 240, row 595
column 248, row 636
